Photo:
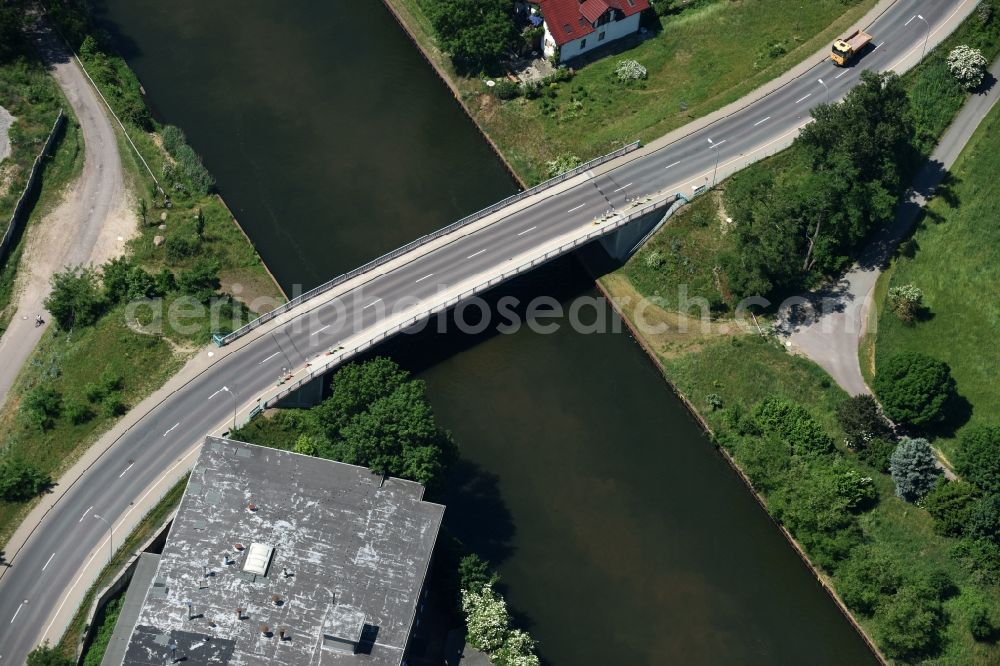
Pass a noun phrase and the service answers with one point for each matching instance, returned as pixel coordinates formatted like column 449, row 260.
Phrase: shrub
column 968, row 66
column 877, row 453
column 44, row 405
column 913, row 468
column 487, row 618
column 984, row 519
column 980, row 624
column 474, row 573
column 20, row 480
column 978, row 458
column 180, row 248
column 862, row 421
column 76, row 298
column 201, row 280
column 78, row 411
column 909, row 624
column 914, row 388
column 518, row 650
column 866, row 579
column 949, row 504
column 505, row 89
column 562, row 164
column 906, row 301
column 44, row 655
column 113, row 405
column 630, row 70
column 653, row 260
column 793, row 423
column 173, row 137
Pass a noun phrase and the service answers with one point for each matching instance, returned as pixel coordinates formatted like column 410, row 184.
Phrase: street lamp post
column 233, row 395
column 716, row 171
column 111, row 536
column 827, row 90
column 927, row 34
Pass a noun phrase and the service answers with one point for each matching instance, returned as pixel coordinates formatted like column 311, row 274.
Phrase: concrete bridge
column 60, row 548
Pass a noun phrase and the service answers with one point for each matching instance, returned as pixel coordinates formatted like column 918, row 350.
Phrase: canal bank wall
column 400, row 13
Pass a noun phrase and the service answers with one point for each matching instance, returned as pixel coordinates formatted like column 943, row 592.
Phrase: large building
column 279, row 558
column 577, row 26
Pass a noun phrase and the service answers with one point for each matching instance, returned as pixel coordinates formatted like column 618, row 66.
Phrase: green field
column 956, row 266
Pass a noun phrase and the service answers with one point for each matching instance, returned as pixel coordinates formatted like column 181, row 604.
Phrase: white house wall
column 612, row 31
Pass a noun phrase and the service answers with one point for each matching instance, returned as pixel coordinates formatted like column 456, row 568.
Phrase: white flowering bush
column 905, row 301
column 518, row 650
column 968, row 65
column 630, row 70
column 562, row 164
column 654, row 260
column 486, row 618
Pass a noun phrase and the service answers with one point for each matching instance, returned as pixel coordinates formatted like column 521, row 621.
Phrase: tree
column 978, row 458
column 980, row 624
column 477, row 33
column 984, row 519
column 905, row 301
column 909, row 624
column 914, row 388
column 12, row 16
column 44, row 655
column 877, row 453
column 968, row 66
column 949, row 504
column 201, row 280
column 76, row 298
column 862, row 421
column 44, row 405
column 474, row 573
column 199, row 224
column 913, row 468
column 355, row 387
column 518, row 650
column 21, row 480
column 486, row 617
column 867, row 579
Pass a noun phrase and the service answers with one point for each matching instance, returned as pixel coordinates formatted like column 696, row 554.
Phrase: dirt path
column 5, row 120
column 90, row 225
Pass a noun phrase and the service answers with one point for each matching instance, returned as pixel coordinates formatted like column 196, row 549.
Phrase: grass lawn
column 957, row 268
column 700, row 60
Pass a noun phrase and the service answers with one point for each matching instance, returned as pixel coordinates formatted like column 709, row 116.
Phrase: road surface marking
column 321, row 330
column 178, row 423
column 527, row 230
column 576, row 208
column 269, row 358
column 621, row 188
column 16, row 612
column 126, row 469
column 672, row 165
column 85, row 514
column 808, row 95
column 209, row 397
column 763, row 120
column 933, row 32
column 841, row 74
column 424, row 277
column 716, row 144
column 876, row 48
column 48, row 561
column 909, row 19
column 476, row 254
column 371, row 304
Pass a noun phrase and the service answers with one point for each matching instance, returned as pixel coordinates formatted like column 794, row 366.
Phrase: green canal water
column 622, row 536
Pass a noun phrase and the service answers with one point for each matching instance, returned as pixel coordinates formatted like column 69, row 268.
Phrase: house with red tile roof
column 574, row 27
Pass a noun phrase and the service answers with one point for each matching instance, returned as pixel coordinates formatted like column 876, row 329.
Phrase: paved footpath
column 831, row 337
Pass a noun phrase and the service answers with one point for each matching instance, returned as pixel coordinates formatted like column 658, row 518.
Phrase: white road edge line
column 371, row 304
column 269, row 358
column 527, row 230
column 476, row 254
column 762, row 120
column 318, row 331
column 48, row 561
column 576, row 208
column 16, row 612
column 672, row 165
column 85, row 514
column 423, row 278
column 176, row 424
column 808, row 95
column 125, row 470
column 621, row 188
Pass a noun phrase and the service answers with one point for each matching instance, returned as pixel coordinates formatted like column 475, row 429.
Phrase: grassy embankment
column 703, row 58
column 956, row 266
column 32, row 96
column 122, row 363
column 738, row 369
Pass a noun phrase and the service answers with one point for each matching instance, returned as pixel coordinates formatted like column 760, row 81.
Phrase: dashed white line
column 175, row 425
column 716, row 144
column 807, row 96
column 424, row 277
column 622, row 187
column 476, row 254
column 672, row 165
column 320, row 330
column 209, row 397
column 841, row 74
column 125, row 470
column 48, row 561
column 84, row 514
column 909, row 19
column 576, row 208
column 527, row 230
column 876, row 48
column 762, row 120
column 16, row 612
column 371, row 304
column 269, row 358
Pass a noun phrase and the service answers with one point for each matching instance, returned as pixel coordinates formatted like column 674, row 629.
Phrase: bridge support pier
column 306, row 396
column 623, row 243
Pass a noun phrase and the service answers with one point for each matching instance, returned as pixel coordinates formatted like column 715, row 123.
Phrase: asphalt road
column 45, row 569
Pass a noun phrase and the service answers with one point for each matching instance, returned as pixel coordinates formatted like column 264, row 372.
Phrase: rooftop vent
column 258, row 559
column 342, row 628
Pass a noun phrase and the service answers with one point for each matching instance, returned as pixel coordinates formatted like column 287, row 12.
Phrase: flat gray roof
column 337, row 545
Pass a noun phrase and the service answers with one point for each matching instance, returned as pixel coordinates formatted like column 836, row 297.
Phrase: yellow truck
column 848, row 47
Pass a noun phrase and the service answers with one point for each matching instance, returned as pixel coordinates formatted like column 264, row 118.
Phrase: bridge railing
column 346, row 355
column 223, row 340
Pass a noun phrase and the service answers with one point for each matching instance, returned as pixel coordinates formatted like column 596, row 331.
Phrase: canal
column 621, row 535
